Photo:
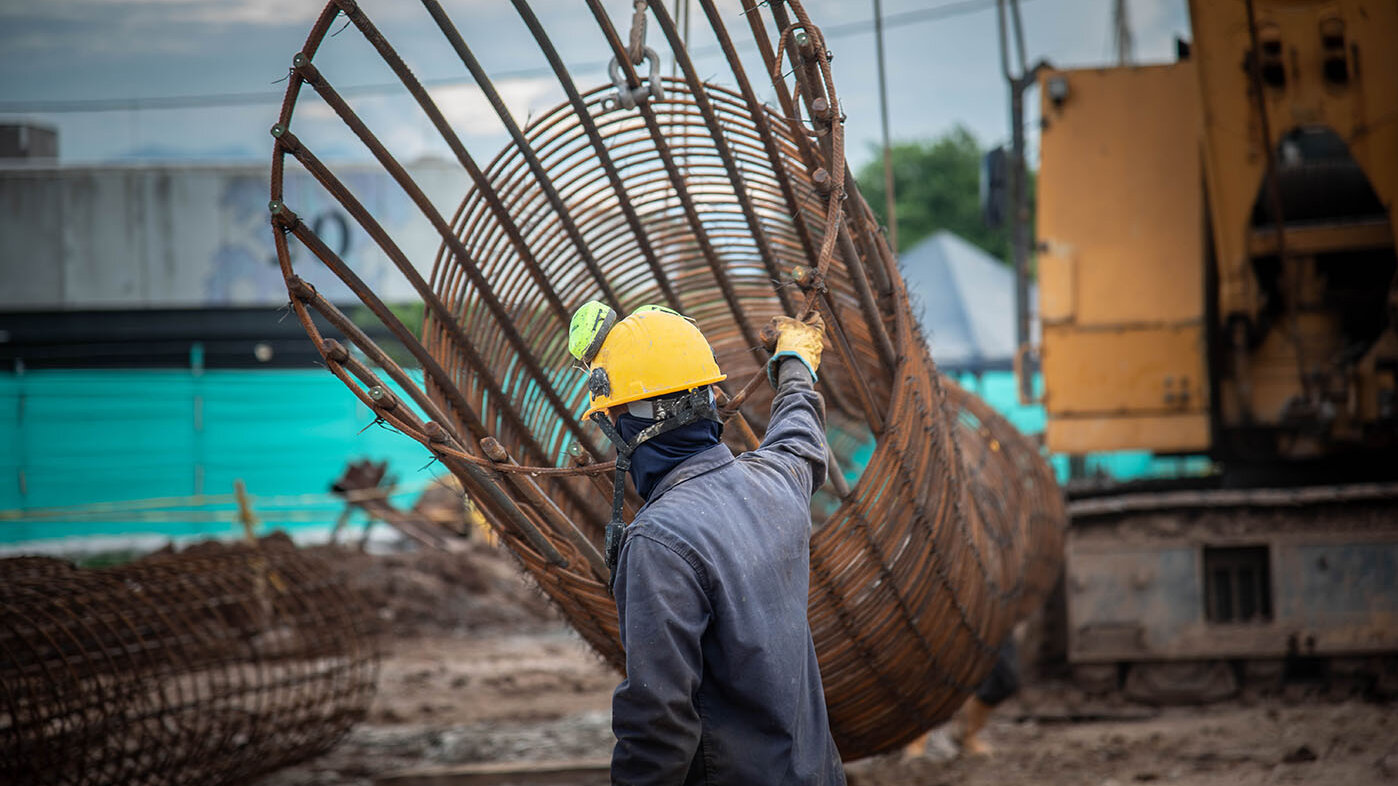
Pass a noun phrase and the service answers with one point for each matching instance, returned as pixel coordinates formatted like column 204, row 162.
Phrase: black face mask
column 656, row 457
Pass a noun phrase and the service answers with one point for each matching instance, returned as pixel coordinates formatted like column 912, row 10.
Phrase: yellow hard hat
column 653, row 352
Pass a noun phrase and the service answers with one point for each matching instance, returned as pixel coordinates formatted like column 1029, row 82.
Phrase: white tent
column 965, row 300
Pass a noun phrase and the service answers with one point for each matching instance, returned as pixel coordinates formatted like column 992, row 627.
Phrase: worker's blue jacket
column 722, row 685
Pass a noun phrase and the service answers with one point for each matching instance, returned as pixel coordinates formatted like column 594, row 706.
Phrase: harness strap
column 676, row 412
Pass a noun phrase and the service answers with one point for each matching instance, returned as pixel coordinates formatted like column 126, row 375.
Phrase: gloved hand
column 788, row 337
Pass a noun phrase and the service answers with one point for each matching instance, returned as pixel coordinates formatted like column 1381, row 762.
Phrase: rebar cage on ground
column 210, row 666
column 695, row 195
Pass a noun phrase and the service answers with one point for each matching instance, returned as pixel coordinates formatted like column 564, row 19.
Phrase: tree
column 936, row 185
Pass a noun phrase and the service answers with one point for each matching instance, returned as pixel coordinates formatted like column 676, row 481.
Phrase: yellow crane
column 1216, row 272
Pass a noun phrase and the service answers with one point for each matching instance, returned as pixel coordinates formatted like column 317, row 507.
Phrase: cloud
column 405, row 130
column 141, row 12
column 941, row 72
column 468, row 110
column 141, row 27
column 1155, row 23
column 253, row 12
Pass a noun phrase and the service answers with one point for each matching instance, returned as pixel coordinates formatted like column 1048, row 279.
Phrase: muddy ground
column 477, row 668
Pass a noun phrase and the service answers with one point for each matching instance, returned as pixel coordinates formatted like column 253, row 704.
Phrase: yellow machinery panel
column 1165, row 433
column 1131, row 387
column 1121, row 271
column 1335, row 66
column 1307, row 91
column 1145, row 370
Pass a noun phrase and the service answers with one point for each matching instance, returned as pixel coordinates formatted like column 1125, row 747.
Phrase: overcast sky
column 943, row 62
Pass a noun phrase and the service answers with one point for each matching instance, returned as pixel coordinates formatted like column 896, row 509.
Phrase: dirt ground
column 484, row 671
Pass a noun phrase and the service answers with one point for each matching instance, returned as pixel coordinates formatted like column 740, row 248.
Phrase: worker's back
column 720, row 556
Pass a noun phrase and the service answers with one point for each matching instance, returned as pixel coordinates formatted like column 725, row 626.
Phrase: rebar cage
column 210, row 666
column 697, row 195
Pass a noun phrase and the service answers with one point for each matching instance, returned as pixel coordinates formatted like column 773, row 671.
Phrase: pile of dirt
column 1233, row 743
column 454, row 699
column 423, row 592
column 478, row 668
column 473, row 588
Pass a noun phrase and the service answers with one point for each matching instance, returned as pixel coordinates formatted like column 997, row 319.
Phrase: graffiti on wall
column 182, row 237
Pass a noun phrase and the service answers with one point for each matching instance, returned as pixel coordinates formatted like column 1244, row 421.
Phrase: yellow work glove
column 795, row 338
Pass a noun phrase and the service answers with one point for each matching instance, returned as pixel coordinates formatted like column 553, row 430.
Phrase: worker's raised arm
column 663, row 611
column 796, row 429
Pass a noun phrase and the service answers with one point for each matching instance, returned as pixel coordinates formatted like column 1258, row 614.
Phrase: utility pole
column 889, row 201
column 1018, row 181
column 1121, row 34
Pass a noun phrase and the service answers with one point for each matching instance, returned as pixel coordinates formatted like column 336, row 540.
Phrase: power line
column 945, row 11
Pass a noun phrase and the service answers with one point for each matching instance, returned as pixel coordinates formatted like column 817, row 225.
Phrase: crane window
column 1237, row 584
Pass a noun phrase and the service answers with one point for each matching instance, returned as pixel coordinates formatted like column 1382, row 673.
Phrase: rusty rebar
column 702, row 198
column 210, row 666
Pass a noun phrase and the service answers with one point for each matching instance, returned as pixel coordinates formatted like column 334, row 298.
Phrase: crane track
column 1159, row 501
column 1190, row 595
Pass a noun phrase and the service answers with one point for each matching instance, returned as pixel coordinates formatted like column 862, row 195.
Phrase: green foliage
column 409, row 313
column 936, row 185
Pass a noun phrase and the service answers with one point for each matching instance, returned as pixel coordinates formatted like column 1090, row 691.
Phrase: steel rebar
column 702, row 197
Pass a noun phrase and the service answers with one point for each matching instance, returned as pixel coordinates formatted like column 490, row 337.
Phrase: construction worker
column 711, row 577
column 999, row 685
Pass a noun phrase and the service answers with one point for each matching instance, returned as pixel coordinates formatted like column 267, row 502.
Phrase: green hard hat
column 588, row 329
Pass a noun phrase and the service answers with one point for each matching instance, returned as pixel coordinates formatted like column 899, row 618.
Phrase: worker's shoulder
column 661, row 527
column 673, row 517
column 685, row 516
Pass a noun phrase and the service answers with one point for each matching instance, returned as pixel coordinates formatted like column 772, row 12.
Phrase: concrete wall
column 135, row 237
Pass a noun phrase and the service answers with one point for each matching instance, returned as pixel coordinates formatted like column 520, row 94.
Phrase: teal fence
column 999, row 389
column 155, row 453
column 115, row 457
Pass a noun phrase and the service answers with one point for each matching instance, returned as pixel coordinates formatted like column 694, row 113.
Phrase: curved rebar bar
column 703, row 198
